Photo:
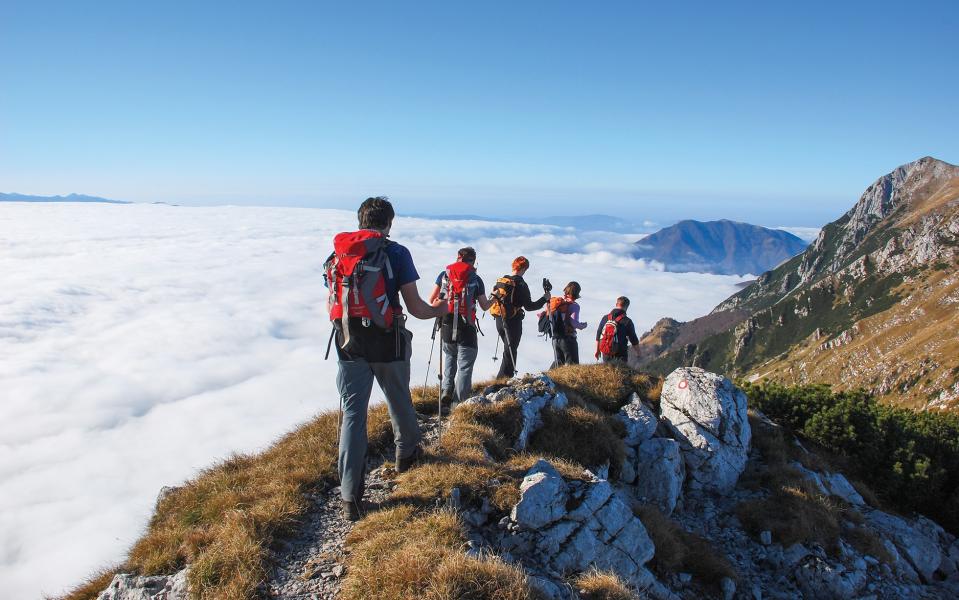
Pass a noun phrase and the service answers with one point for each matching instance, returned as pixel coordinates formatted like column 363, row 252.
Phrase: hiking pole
column 508, row 347
column 439, row 394
column 430, row 361
column 496, row 349
column 547, row 288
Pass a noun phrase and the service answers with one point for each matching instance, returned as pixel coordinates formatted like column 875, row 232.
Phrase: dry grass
column 473, row 456
column 461, row 577
column 794, row 513
column 222, row 521
column 796, row 510
column 581, row 436
column 608, row 386
column 399, row 554
column 93, row 585
column 601, row 585
column 677, row 550
column 505, row 418
column 436, row 480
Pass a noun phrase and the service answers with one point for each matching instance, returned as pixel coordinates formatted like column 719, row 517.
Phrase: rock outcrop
column 140, row 587
column 533, row 394
column 707, row 416
column 559, row 526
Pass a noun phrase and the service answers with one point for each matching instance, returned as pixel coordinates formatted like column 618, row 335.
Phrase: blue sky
column 762, row 112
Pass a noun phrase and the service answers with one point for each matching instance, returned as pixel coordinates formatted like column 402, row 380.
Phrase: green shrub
column 911, row 459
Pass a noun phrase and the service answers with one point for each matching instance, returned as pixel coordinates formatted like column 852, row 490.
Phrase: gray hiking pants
column 458, row 361
column 354, row 380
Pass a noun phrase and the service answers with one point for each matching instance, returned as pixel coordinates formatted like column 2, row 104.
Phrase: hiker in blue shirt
column 368, row 351
column 459, row 282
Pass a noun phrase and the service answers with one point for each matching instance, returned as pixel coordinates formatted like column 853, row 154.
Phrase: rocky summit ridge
column 873, row 303
column 691, row 505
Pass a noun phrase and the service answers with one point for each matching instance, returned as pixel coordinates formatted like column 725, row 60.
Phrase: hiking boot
column 352, row 510
column 405, row 464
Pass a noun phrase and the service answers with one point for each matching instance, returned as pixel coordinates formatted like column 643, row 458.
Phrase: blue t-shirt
column 404, row 271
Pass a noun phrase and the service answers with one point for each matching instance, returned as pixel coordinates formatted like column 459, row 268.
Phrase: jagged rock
column 831, row 484
column 794, row 554
column 812, row 477
column 819, row 579
column 840, row 487
column 533, row 394
column 601, row 531
column 660, row 473
column 627, row 473
column 950, row 562
column 138, row 587
column 917, row 549
column 640, row 421
column 548, row 589
column 543, row 495
column 706, row 414
column 728, row 587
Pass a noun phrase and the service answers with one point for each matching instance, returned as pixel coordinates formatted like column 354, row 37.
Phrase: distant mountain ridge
column 723, row 247
column 584, row 222
column 14, row 197
column 872, row 303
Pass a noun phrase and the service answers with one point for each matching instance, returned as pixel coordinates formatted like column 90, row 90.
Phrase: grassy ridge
column 222, row 521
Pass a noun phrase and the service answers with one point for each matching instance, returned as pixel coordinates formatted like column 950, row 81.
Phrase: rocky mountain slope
column 871, row 303
column 594, row 482
column 723, row 247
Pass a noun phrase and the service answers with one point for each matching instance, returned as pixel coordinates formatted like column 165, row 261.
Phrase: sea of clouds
column 141, row 343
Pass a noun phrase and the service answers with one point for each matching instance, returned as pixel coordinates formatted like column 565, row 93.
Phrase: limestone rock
column 920, row 551
column 840, row 487
column 660, row 473
column 640, row 421
column 706, row 414
column 533, row 394
column 600, row 531
column 138, row 587
column 819, row 579
column 543, row 495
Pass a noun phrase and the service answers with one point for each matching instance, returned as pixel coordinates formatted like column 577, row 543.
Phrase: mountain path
column 309, row 563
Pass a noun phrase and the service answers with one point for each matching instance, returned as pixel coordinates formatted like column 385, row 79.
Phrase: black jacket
column 522, row 299
column 626, row 331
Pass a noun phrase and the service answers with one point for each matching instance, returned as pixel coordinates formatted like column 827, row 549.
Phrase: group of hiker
column 366, row 275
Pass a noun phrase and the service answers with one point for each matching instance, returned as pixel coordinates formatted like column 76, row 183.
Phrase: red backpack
column 356, row 275
column 460, row 295
column 609, row 340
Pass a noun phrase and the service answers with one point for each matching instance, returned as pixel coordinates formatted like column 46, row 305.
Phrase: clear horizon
column 755, row 113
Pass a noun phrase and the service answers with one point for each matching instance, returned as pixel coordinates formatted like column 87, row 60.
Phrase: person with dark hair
column 616, row 331
column 461, row 289
column 563, row 314
column 366, row 275
column 511, row 299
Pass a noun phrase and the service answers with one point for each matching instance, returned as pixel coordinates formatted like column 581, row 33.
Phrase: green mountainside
column 871, row 303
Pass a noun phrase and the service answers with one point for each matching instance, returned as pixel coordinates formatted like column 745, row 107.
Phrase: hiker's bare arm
column 434, row 295
column 484, row 302
column 418, row 307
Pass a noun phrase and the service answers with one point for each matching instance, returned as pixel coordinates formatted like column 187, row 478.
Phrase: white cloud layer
column 141, row 343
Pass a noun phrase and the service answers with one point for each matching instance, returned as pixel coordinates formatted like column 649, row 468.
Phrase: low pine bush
column 910, row 459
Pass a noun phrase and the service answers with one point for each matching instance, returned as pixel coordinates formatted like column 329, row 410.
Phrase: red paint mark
column 683, row 384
